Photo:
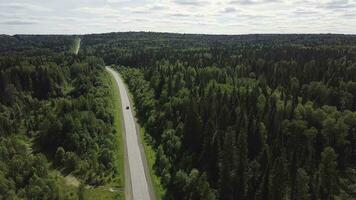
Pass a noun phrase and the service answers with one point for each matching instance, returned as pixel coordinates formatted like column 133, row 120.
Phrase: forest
column 257, row 117
column 266, row 120
column 55, row 113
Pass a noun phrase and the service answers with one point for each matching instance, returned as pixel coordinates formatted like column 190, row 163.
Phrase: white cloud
column 189, row 16
column 23, row 7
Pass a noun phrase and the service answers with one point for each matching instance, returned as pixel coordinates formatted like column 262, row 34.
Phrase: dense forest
column 272, row 117
column 55, row 113
column 262, row 117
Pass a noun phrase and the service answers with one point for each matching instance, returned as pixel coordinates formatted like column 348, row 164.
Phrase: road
column 77, row 46
column 140, row 184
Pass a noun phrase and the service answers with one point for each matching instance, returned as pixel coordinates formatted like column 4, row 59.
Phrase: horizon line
column 178, row 33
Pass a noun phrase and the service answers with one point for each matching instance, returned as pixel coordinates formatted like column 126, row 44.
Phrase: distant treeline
column 141, row 49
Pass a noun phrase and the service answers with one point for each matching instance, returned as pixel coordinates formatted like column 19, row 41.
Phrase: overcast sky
column 183, row 16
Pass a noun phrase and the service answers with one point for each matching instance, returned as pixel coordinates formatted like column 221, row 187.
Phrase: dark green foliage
column 261, row 118
column 24, row 175
column 302, row 185
column 55, row 110
column 329, row 184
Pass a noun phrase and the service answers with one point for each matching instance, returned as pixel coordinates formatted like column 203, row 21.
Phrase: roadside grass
column 90, row 193
column 102, row 193
column 70, row 191
column 120, row 163
column 151, row 159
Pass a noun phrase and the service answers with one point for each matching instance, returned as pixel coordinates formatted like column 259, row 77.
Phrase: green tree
column 302, row 185
column 278, row 180
column 60, row 155
column 240, row 178
column 329, row 183
column 228, row 158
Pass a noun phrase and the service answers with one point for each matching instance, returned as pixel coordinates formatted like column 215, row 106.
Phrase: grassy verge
column 71, row 191
column 66, row 191
column 151, row 158
column 120, row 179
column 102, row 193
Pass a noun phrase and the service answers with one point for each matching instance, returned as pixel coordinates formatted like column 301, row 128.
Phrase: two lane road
column 139, row 179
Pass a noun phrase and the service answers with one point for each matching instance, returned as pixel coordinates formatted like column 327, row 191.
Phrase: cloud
column 338, row 4
column 158, row 7
column 229, row 10
column 191, row 2
column 96, row 10
column 24, row 6
column 349, row 16
column 185, row 16
column 305, row 12
column 254, row 17
column 179, row 15
column 116, row 1
column 18, row 22
column 140, row 11
column 252, row 2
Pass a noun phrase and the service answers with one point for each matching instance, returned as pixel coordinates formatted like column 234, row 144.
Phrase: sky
column 180, row 16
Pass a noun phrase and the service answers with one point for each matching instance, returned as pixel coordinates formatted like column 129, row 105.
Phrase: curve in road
column 139, row 183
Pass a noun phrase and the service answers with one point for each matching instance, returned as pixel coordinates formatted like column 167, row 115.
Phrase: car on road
column 127, row 107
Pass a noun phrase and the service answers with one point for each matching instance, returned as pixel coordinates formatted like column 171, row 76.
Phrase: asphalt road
column 140, row 186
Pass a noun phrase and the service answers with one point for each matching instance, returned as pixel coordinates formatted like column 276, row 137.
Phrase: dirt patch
column 71, row 180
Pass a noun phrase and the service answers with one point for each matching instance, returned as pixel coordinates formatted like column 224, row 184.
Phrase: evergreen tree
column 329, row 183
column 240, row 178
column 302, row 185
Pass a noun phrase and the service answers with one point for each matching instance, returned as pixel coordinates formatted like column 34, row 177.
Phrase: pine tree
column 242, row 166
column 226, row 183
column 263, row 190
column 329, row 183
column 278, row 180
column 302, row 185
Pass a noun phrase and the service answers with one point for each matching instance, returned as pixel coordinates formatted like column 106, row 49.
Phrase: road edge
column 142, row 151
column 127, row 177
